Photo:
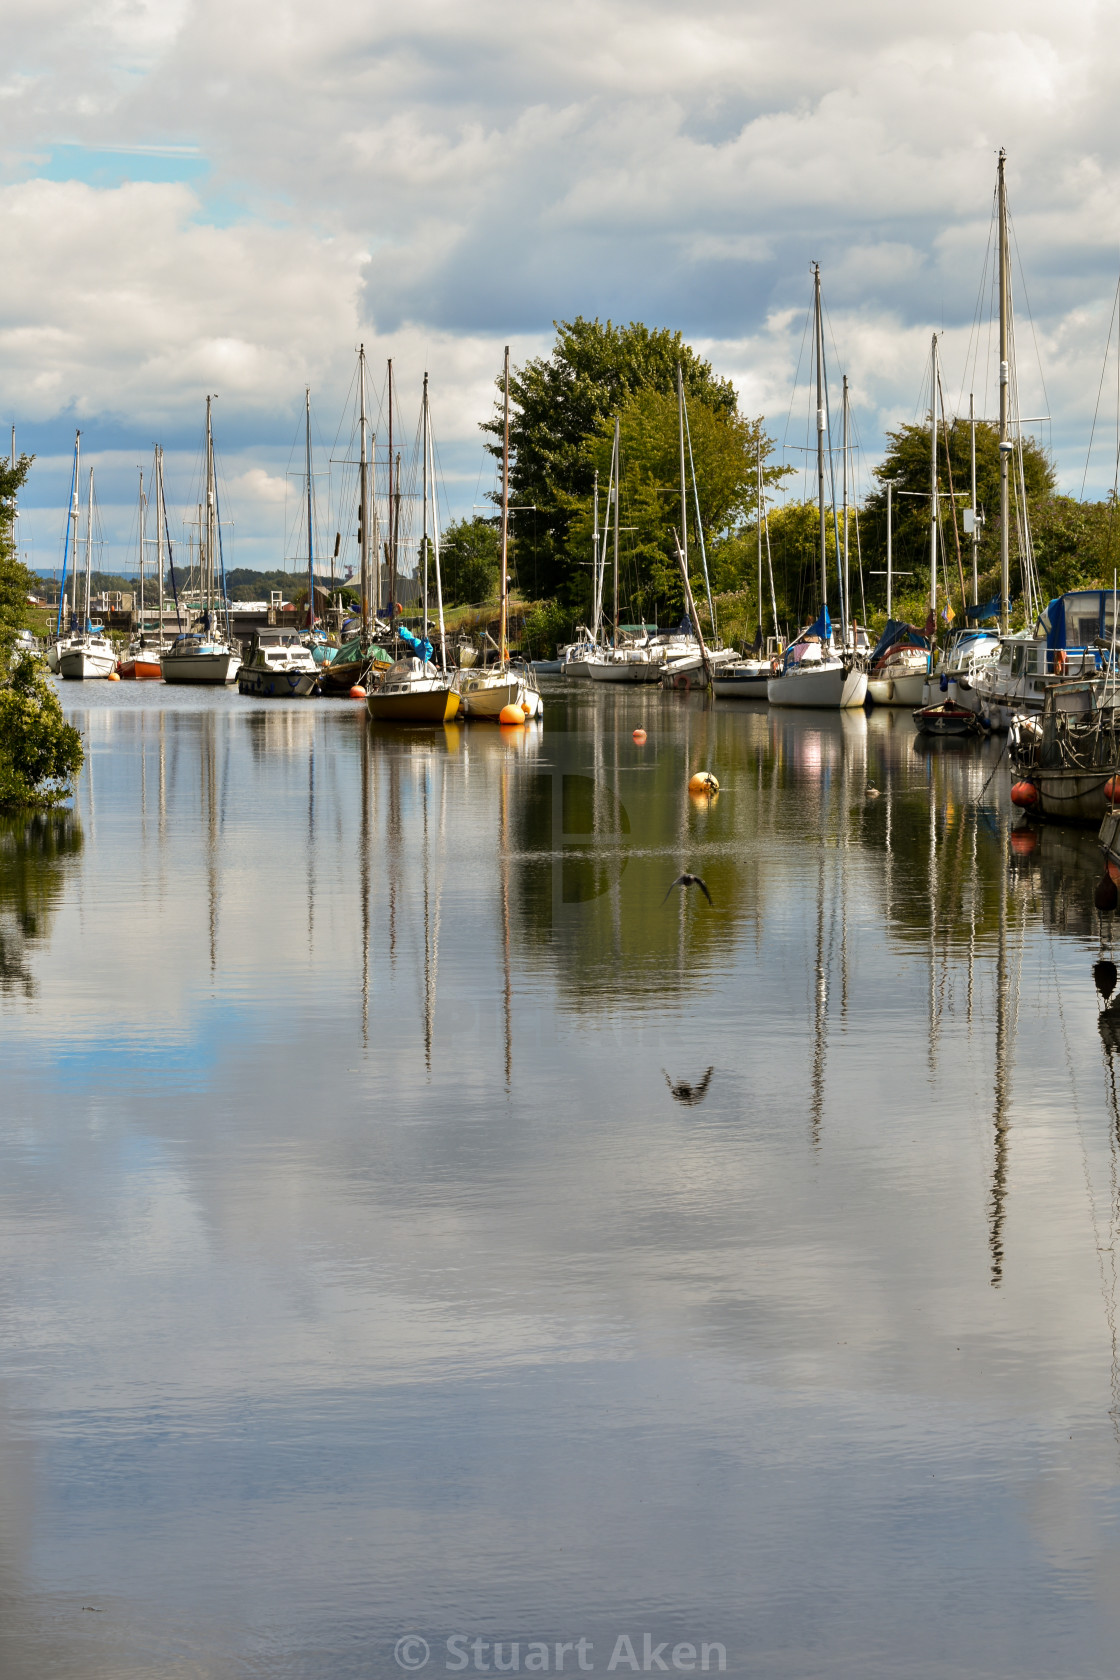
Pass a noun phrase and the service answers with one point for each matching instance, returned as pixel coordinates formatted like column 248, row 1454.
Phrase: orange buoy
column 527, row 708
column 1024, row 793
column 1112, row 789
column 357, row 692
column 703, row 782
column 640, row 736
column 511, row 715
column 114, row 676
column 1114, row 871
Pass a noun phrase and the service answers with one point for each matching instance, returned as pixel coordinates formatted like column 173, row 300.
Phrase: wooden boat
column 948, row 718
column 358, row 663
column 414, row 691
column 142, row 664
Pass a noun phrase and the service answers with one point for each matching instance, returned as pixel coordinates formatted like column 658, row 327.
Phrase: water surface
column 411, row 1223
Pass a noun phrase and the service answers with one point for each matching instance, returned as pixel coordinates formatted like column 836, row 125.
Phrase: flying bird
column 688, row 881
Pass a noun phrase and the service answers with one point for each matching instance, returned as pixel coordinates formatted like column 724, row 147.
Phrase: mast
column 758, row 517
column 818, row 345
column 1004, row 435
column 975, row 523
column 504, row 621
column 310, row 526
column 617, row 501
column 844, row 476
column 363, row 495
column 933, row 487
column 392, row 521
column 89, row 549
column 435, row 546
column 596, row 580
column 424, row 516
column 159, row 535
column 890, row 487
column 209, row 516
column 70, row 545
column 143, row 532
column 684, row 497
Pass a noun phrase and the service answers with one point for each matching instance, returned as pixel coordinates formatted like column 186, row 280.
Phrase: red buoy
column 1024, row 793
column 1112, row 789
column 640, row 736
column 357, row 692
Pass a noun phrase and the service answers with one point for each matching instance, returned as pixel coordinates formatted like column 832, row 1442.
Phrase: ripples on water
column 411, row 1224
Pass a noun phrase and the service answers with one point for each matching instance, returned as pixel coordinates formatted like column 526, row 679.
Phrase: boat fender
column 944, row 683
column 1024, row 794
column 1112, row 789
column 640, row 737
column 1105, row 894
column 1060, row 663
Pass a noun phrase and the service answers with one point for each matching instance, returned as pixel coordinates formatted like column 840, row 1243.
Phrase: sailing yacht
column 88, row 653
column 813, row 672
column 65, row 628
column 415, row 690
column 206, row 654
column 488, row 689
column 141, row 663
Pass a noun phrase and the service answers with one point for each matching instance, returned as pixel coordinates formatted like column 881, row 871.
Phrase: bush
column 470, row 559
column 40, row 753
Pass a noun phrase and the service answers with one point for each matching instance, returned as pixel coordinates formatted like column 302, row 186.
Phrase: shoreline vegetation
column 40, row 753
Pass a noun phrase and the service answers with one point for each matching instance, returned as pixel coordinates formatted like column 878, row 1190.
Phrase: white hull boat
column 827, row 686
column 189, row 659
column 87, row 657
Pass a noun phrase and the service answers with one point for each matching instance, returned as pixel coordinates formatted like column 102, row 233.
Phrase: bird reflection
column 684, row 1092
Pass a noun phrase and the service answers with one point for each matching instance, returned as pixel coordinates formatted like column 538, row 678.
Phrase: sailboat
column 142, row 660
column 206, row 654
column 813, row 673
column 360, row 661
column 66, row 627
column 487, row 690
column 415, row 690
column 89, row 653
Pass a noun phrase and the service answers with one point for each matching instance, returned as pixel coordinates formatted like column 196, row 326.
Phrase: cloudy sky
column 229, row 197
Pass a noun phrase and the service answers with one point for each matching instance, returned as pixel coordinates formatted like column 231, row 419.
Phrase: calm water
column 412, row 1226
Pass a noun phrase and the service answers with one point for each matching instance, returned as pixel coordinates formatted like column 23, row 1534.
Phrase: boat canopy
column 1077, row 619
column 423, row 650
column 898, row 634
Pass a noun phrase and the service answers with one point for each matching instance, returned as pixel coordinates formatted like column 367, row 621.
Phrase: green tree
column 725, row 449
column 16, row 582
column 470, row 560
column 560, row 401
column 907, row 464
column 40, row 753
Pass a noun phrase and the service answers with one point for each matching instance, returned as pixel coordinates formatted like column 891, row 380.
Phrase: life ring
column 1060, row 663
column 680, row 682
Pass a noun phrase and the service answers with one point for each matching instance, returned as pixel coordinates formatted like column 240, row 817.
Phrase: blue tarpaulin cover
column 422, row 650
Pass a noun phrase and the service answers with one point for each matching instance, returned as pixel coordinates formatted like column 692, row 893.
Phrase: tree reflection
column 34, row 850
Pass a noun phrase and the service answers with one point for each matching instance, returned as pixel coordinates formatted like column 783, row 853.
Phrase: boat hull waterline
column 830, row 687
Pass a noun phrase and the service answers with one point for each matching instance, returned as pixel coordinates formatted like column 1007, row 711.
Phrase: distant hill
column 242, row 583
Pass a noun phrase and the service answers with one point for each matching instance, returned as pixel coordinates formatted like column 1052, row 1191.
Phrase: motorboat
column 948, row 718
column 414, row 691
column 279, row 665
column 198, row 657
column 88, row 654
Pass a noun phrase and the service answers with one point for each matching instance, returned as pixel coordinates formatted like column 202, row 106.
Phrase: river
column 419, row 1234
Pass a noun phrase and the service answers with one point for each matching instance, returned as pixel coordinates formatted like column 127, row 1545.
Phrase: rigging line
column 1030, row 314
column 1100, row 387
column 973, row 347
column 796, row 376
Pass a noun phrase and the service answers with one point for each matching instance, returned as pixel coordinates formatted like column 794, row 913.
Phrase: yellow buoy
column 703, row 782
column 511, row 714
